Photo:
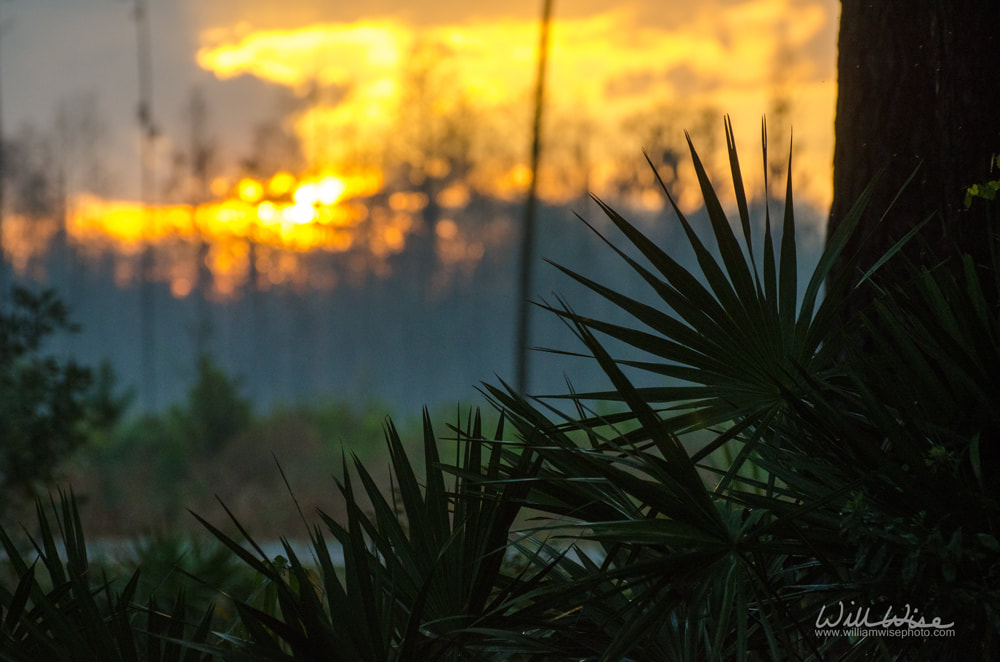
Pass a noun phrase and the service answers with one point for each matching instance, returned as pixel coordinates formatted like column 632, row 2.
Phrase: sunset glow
column 604, row 70
column 396, row 118
column 285, row 215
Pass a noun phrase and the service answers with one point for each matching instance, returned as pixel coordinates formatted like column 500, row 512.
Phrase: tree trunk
column 918, row 91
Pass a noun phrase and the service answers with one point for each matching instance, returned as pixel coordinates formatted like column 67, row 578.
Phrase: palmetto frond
column 814, row 477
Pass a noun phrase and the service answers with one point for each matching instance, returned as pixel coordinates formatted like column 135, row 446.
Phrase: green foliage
column 755, row 461
column 141, row 476
column 986, row 190
column 423, row 573
column 869, row 444
column 164, row 446
column 47, row 406
column 154, row 455
column 203, row 571
column 216, row 411
column 69, row 610
column 345, row 425
column 145, row 456
column 108, row 404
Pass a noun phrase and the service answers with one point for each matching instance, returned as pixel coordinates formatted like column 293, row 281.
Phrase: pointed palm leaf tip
column 718, row 330
column 741, row 199
column 789, row 268
column 729, row 334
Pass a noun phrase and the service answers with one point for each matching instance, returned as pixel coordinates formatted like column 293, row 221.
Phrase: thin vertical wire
column 530, row 211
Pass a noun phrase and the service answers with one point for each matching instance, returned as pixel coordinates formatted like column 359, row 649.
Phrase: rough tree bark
column 918, row 86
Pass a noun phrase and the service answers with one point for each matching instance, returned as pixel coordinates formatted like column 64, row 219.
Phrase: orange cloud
column 603, row 67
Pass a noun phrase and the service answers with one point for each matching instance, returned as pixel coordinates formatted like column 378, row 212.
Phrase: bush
column 753, row 464
column 143, row 475
column 65, row 609
column 216, row 411
column 48, row 407
column 845, row 463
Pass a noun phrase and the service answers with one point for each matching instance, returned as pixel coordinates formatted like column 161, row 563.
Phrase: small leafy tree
column 47, row 406
column 216, row 409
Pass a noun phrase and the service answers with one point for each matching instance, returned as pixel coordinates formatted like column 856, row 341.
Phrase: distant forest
column 409, row 338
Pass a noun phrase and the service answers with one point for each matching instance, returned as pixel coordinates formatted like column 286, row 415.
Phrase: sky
column 382, row 87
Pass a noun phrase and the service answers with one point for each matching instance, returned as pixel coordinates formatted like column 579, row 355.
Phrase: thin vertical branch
column 201, row 154
column 146, row 183
column 531, row 210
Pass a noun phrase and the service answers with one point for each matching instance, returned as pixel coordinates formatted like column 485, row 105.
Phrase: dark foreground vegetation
column 783, row 462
